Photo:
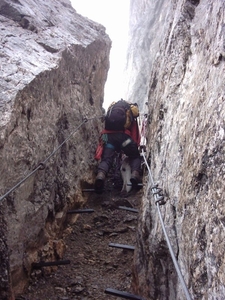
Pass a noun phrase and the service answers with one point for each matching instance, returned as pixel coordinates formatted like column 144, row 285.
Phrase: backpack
column 119, row 116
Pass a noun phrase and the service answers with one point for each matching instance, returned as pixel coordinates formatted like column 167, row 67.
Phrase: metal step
column 50, row 263
column 122, row 294
column 80, row 211
column 128, row 209
column 127, row 247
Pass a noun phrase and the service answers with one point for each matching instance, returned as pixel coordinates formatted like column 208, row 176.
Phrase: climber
column 121, row 133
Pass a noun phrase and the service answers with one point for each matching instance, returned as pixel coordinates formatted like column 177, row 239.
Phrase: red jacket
column 133, row 132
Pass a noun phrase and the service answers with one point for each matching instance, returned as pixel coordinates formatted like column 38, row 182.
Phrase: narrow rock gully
column 94, row 265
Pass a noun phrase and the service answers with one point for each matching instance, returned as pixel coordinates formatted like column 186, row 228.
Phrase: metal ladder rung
column 127, row 247
column 128, row 208
column 122, row 294
column 80, row 211
column 50, row 263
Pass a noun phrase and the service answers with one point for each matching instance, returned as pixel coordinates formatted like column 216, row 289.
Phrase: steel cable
column 151, row 183
column 42, row 164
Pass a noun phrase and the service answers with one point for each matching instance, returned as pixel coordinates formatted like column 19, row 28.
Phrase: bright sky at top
column 114, row 16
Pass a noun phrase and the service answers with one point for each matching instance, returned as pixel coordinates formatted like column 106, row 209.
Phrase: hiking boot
column 99, row 182
column 135, row 179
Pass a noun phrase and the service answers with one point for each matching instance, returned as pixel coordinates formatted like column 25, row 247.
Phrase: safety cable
column 159, row 200
column 44, row 162
column 41, row 165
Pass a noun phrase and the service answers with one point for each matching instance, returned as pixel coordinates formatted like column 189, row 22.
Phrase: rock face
column 146, row 27
column 186, row 101
column 54, row 66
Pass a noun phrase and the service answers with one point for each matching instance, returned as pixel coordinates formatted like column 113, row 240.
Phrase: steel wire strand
column 42, row 164
column 19, row 183
column 187, row 294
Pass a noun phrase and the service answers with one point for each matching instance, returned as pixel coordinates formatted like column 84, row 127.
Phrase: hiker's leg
column 131, row 150
column 107, row 158
column 103, row 167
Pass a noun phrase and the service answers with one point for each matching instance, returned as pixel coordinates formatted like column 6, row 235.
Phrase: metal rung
column 80, row 211
column 122, row 294
column 128, row 208
column 88, row 190
column 127, row 247
column 139, row 184
column 50, row 263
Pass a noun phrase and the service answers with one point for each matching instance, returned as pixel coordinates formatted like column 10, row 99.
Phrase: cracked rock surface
column 185, row 62
column 53, row 67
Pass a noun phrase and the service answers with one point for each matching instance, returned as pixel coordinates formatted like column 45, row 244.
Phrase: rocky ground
column 94, row 265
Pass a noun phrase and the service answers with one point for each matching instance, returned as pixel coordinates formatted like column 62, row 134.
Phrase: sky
column 114, row 16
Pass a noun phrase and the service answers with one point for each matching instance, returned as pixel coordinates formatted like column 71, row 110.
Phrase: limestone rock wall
column 186, row 103
column 53, row 67
column 147, row 25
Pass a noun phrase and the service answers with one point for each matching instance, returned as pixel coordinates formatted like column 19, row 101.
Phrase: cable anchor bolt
column 154, row 186
column 142, row 147
column 41, row 166
column 156, row 191
column 160, row 199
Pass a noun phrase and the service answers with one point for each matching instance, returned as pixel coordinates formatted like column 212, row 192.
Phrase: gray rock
column 180, row 48
column 53, row 67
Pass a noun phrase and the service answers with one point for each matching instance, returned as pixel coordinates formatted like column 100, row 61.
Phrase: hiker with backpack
column 121, row 133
